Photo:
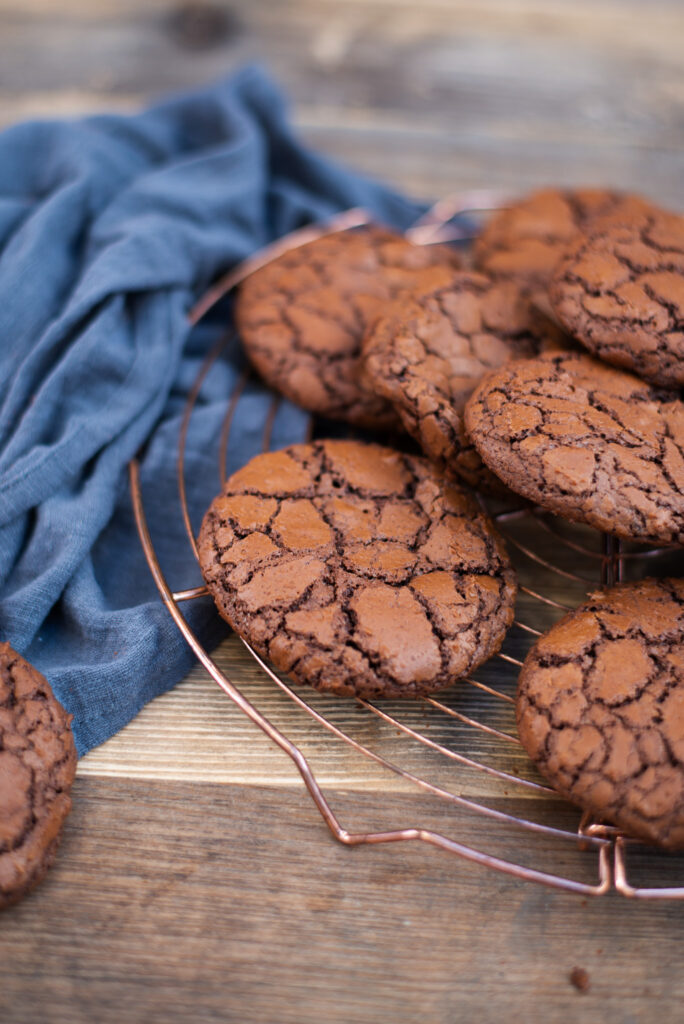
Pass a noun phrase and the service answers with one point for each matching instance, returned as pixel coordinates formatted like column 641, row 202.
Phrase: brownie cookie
column 525, row 241
column 303, row 316
column 600, row 708
column 427, row 353
column 620, row 290
column 37, row 768
column 357, row 570
column 583, row 439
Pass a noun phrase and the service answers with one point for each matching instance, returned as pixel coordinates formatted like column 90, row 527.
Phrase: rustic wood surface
column 196, row 881
column 197, row 903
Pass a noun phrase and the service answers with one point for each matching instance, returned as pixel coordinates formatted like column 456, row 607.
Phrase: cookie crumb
column 580, row 979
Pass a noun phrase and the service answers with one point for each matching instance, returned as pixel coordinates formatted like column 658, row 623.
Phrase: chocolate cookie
column 37, row 768
column 303, row 316
column 587, row 441
column 620, row 290
column 600, row 708
column 525, row 241
column 427, row 353
column 357, row 569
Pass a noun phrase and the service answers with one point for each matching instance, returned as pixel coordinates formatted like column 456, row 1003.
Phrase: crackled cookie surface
column 525, row 241
column 429, row 351
column 600, row 708
column 37, row 768
column 303, row 316
column 583, row 439
column 357, row 569
column 620, row 291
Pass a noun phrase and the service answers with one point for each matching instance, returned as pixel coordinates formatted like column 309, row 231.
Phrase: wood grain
column 224, row 903
column 437, row 96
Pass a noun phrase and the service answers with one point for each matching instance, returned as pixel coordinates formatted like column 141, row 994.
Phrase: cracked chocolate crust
column 525, row 241
column 302, row 317
column 357, row 569
column 37, row 768
column 620, row 290
column 592, row 443
column 429, row 351
column 600, row 708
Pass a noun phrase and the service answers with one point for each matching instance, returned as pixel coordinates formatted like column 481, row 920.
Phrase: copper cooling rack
column 458, row 748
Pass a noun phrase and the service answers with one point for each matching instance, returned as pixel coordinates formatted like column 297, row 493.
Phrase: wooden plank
column 426, row 160
column 473, row 63
column 196, row 733
column 435, row 98
column 427, row 164
column 221, row 903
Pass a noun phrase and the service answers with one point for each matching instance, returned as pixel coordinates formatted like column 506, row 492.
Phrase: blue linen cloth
column 110, row 228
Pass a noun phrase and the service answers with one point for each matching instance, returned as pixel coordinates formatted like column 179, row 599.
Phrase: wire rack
column 458, row 748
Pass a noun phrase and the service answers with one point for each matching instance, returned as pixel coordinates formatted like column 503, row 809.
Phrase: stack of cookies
column 548, row 362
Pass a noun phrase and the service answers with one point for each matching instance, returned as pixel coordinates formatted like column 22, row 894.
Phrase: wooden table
column 196, row 881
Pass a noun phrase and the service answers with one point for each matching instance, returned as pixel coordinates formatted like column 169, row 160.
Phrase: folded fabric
column 110, row 228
